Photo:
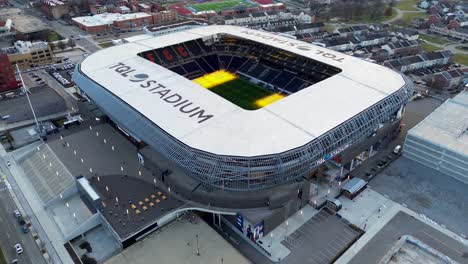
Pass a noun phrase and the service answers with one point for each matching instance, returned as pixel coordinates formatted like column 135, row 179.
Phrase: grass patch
column 329, row 28
column 408, row 17
column 220, row 5
column 241, row 93
column 367, row 19
column 407, row 5
column 2, row 257
column 54, row 36
column 429, row 48
column 105, row 44
column 434, row 39
column 461, row 59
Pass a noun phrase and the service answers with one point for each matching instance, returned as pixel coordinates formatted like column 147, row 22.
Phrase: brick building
column 164, row 17
column 55, row 8
column 30, row 54
column 8, row 80
column 109, row 21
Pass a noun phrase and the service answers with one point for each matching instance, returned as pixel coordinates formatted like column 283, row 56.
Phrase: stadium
column 241, row 110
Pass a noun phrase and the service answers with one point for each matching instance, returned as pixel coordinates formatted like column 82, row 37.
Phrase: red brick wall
column 7, row 76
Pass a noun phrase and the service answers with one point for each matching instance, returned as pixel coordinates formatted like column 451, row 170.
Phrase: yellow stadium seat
column 145, row 208
column 164, row 197
column 158, row 201
column 159, row 193
column 146, row 200
column 137, row 212
column 133, row 206
column 140, row 203
column 151, row 204
column 153, row 196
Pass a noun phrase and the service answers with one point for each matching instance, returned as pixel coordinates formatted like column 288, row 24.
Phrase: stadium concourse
column 245, row 121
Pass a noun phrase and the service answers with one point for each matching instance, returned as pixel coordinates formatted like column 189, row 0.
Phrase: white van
column 397, row 150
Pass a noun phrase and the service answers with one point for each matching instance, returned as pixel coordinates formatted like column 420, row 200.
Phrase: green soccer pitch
column 219, row 5
column 242, row 93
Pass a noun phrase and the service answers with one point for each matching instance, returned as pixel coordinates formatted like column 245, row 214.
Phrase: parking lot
column 328, row 236
column 63, row 74
column 426, row 191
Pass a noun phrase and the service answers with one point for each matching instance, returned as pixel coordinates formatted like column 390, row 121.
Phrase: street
column 11, row 233
column 66, row 31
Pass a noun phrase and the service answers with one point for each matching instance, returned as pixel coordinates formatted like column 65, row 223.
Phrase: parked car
column 25, row 229
column 21, row 220
column 17, row 213
column 397, row 150
column 18, row 248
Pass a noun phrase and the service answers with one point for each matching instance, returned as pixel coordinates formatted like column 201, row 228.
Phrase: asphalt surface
column 404, row 224
column 45, row 101
column 66, row 31
column 11, row 233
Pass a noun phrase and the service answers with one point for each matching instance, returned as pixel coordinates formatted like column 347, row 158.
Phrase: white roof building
column 287, row 124
column 107, row 18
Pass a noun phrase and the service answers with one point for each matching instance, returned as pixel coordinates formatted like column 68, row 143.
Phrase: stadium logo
column 296, row 44
column 165, row 94
column 139, row 77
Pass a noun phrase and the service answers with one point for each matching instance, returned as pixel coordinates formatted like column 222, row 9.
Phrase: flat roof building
column 109, row 21
column 440, row 141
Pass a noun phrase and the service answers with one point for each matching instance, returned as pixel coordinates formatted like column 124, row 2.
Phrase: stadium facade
column 331, row 103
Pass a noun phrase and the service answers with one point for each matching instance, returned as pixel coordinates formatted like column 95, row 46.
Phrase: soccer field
column 245, row 94
column 219, row 5
column 242, row 93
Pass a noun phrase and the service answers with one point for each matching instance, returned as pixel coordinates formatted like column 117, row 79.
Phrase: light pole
column 29, row 100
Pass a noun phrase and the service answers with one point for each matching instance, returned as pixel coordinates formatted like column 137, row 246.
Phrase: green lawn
column 105, row 44
column 219, row 5
column 407, row 5
column 53, row 36
column 461, row 59
column 434, row 39
column 367, row 19
column 408, row 17
column 241, row 93
column 428, row 47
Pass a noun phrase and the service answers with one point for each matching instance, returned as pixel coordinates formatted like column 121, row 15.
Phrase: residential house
column 446, row 80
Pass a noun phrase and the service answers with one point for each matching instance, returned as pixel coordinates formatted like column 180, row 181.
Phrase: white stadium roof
column 286, row 124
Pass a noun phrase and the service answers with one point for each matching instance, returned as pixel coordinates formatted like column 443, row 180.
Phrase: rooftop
column 447, row 126
column 21, row 22
column 289, row 123
column 107, row 18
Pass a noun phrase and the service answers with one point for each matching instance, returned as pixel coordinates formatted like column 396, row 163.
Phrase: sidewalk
column 371, row 211
column 272, row 242
column 29, row 203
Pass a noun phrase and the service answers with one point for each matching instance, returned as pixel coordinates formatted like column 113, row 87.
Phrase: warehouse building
column 441, row 140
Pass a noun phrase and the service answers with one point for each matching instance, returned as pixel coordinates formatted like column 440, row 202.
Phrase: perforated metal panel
column 248, row 173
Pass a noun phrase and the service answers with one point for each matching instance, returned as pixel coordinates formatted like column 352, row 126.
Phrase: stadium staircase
column 45, row 172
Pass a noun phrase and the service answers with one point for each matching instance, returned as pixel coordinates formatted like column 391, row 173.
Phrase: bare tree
column 62, row 45
column 71, row 43
column 52, row 46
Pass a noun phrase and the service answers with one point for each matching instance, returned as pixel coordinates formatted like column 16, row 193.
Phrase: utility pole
column 198, row 249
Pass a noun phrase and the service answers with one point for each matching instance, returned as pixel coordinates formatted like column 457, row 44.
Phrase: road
column 11, row 233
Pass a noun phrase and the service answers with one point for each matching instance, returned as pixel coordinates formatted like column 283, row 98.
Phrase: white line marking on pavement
column 8, row 235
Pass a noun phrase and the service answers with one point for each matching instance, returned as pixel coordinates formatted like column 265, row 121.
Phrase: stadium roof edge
column 289, row 123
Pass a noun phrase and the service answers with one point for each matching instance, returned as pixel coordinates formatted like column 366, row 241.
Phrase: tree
column 62, row 45
column 71, row 43
column 52, row 46
column 388, row 12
